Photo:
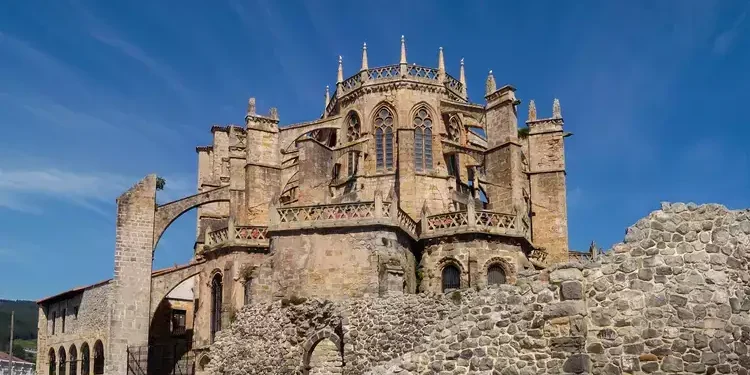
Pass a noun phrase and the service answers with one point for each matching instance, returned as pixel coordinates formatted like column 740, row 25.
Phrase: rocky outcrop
column 672, row 298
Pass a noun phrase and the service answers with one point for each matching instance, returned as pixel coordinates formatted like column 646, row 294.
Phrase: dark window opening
column 216, row 300
column 451, row 277
column 98, row 358
column 62, row 361
column 75, row 311
column 495, row 275
column 73, row 360
column 179, row 320
column 54, row 319
column 52, row 362
column 352, row 162
column 85, row 359
column 64, row 312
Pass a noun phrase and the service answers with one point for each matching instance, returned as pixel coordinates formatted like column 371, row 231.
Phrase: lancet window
column 422, row 141
column 384, row 139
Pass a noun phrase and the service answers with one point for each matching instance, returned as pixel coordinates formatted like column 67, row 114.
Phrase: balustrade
column 471, row 220
column 246, row 235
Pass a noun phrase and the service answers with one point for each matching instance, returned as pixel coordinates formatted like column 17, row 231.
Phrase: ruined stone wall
column 671, row 299
column 674, row 297
column 336, row 264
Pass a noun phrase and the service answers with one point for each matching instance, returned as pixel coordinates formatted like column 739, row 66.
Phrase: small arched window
column 451, row 277
column 216, row 300
column 495, row 275
column 52, row 362
column 384, row 139
column 353, row 127
column 422, row 140
column 98, row 358
column 353, row 132
column 85, row 359
column 73, row 360
column 62, row 361
column 454, row 129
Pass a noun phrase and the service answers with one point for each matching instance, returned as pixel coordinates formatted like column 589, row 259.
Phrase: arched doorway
column 325, row 358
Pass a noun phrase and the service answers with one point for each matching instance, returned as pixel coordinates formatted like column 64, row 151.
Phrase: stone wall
column 671, row 299
column 335, row 264
column 86, row 314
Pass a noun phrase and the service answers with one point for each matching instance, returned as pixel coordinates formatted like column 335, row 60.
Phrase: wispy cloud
column 723, row 43
column 21, row 190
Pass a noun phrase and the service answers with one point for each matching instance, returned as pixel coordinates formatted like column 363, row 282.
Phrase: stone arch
column 164, row 281
column 423, row 105
column 167, row 213
column 506, row 266
column 332, row 352
column 98, row 357
column 203, row 361
column 290, row 134
column 450, row 262
column 52, row 361
column 476, row 155
column 62, row 361
column 85, row 359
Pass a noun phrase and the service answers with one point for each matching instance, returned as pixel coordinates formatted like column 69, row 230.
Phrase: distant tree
column 160, row 182
column 523, row 132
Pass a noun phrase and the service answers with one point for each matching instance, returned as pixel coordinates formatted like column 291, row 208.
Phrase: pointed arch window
column 62, row 361
column 85, row 359
column 52, row 362
column 353, row 132
column 422, row 141
column 384, row 139
column 454, row 129
column 98, row 358
column 73, row 360
column 216, row 300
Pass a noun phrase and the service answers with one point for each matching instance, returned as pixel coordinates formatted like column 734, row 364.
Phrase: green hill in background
column 24, row 330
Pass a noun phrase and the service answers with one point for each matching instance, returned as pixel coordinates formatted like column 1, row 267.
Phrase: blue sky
column 94, row 95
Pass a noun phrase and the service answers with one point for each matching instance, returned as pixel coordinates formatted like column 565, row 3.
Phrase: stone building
column 401, row 186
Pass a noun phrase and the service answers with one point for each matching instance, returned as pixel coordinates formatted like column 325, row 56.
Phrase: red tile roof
column 6, row 357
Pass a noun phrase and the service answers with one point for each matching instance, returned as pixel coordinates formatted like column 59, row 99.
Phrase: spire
column 532, row 110
column 556, row 111
column 441, row 61
column 462, row 77
column 328, row 96
column 340, row 77
column 403, row 50
column 364, row 57
column 490, row 86
column 251, row 106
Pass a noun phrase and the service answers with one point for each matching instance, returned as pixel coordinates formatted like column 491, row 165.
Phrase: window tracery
column 422, row 140
column 454, row 129
column 384, row 139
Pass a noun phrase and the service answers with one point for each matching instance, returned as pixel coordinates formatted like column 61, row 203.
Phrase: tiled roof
column 6, row 358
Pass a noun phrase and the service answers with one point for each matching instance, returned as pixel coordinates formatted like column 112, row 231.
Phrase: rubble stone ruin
column 407, row 230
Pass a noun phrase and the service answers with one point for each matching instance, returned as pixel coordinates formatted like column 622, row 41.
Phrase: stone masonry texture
column 673, row 298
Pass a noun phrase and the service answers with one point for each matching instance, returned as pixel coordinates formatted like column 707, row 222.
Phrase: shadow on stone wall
column 670, row 299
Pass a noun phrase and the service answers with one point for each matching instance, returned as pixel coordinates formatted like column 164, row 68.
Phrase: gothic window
column 454, row 129
column 73, row 360
column 384, row 139
column 422, row 141
column 216, row 299
column 495, row 275
column 451, row 277
column 353, row 128
column 248, row 291
column 85, row 359
column 98, row 358
column 52, row 362
column 62, row 362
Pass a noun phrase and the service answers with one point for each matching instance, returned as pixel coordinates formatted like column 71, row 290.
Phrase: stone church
column 402, row 186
